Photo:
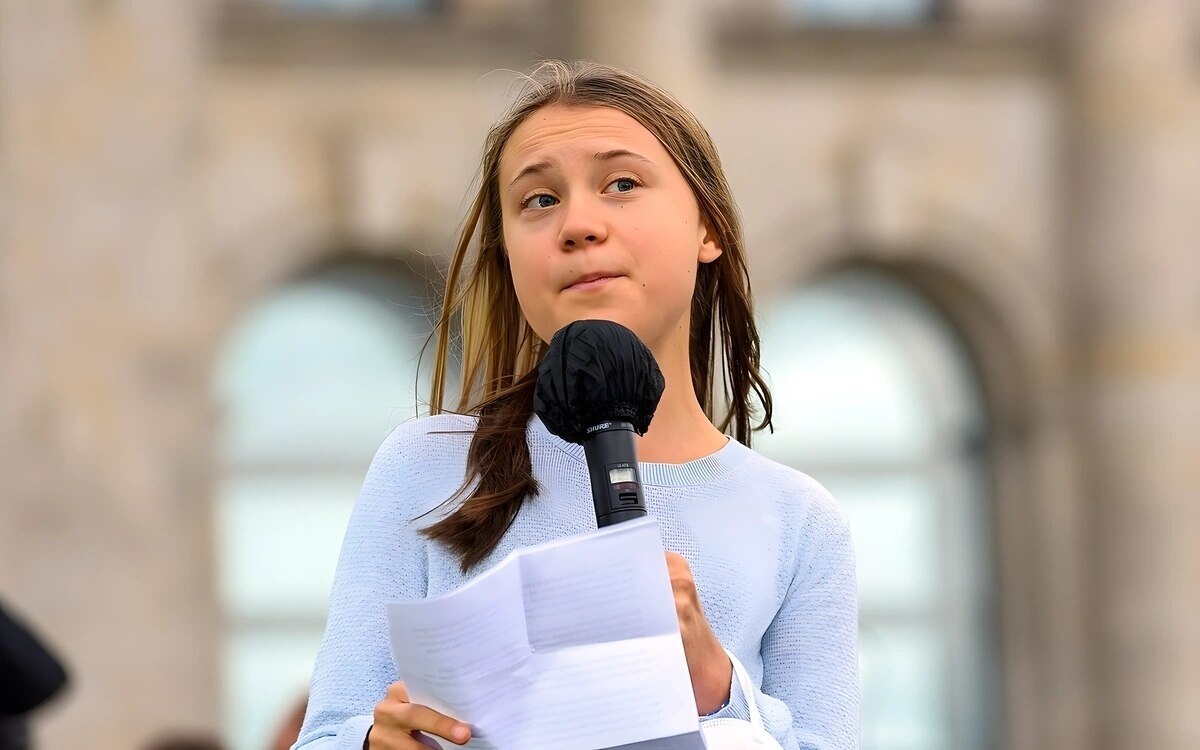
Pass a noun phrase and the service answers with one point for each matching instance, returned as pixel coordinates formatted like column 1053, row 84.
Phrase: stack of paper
column 570, row 644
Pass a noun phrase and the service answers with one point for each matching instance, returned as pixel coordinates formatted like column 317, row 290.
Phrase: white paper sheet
column 569, row 644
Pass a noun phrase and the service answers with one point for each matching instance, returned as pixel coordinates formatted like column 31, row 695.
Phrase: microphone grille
column 596, row 371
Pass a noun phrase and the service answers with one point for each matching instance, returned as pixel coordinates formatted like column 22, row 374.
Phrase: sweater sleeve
column 809, row 697
column 382, row 559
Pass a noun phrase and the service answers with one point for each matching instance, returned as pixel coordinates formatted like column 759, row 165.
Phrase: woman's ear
column 710, row 246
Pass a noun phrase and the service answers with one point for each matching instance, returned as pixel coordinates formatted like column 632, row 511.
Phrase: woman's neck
column 676, row 442
column 680, row 431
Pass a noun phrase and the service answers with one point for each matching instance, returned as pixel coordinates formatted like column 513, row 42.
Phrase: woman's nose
column 582, row 225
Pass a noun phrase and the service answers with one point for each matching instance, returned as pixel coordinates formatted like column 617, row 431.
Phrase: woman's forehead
column 556, row 132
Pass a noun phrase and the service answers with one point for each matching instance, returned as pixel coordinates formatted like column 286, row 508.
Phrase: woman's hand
column 708, row 664
column 398, row 724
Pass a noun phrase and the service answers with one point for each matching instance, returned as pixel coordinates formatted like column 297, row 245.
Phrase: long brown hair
column 500, row 351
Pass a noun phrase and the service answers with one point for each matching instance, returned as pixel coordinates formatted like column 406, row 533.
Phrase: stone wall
column 167, row 164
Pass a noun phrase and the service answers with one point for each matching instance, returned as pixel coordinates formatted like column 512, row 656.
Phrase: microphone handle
column 612, row 463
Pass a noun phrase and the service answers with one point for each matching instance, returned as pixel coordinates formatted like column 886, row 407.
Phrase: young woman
column 601, row 197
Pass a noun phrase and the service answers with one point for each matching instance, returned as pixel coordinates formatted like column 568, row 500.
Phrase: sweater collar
column 703, row 470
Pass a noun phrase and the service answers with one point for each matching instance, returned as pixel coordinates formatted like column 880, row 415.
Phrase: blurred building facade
column 180, row 177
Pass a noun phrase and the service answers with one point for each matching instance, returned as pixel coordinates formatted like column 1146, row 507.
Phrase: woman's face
column 588, row 191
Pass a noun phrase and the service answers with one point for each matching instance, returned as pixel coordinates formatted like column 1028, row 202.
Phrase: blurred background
column 973, row 232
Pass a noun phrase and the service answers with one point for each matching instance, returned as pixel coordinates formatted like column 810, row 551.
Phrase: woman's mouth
column 593, row 284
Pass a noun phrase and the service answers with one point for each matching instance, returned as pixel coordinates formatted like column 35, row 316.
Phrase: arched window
column 309, row 384
column 876, row 398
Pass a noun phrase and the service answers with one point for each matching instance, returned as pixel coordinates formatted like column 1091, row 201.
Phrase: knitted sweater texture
column 769, row 548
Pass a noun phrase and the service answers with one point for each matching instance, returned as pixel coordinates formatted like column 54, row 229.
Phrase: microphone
column 598, row 385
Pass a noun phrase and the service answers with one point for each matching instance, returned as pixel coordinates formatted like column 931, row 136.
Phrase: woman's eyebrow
column 619, row 153
column 543, row 166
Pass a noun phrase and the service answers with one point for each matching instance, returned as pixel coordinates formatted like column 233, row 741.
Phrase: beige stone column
column 1135, row 259
column 664, row 40
column 105, row 540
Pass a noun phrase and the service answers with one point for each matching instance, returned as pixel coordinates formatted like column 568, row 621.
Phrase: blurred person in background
column 29, row 676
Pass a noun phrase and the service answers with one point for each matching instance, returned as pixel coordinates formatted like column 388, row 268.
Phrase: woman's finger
column 397, row 691
column 416, row 717
column 426, row 741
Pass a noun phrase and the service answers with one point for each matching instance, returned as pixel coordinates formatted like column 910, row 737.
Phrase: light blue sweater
column 768, row 547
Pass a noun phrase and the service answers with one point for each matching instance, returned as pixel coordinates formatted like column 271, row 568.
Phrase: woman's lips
column 593, row 284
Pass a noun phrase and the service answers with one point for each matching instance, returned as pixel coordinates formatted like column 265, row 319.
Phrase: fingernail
column 462, row 732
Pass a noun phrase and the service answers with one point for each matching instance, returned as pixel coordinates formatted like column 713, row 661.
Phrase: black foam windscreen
column 596, row 371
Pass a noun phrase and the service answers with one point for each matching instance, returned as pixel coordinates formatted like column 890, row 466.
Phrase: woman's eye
column 624, row 184
column 545, row 200
column 541, row 200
